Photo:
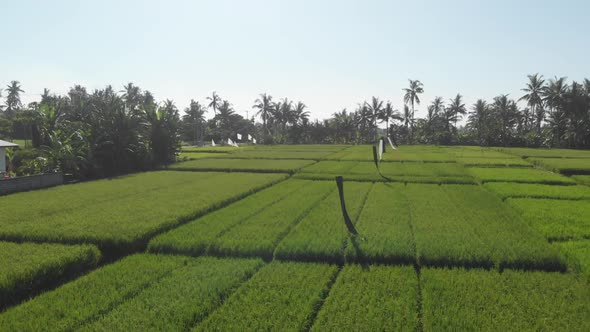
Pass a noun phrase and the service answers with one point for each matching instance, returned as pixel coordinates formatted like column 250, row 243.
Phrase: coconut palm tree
column 477, row 118
column 376, row 108
column 300, row 114
column 13, row 102
column 264, row 106
column 389, row 114
column 457, row 108
column 215, row 102
column 408, row 118
column 412, row 93
column 412, row 97
column 534, row 92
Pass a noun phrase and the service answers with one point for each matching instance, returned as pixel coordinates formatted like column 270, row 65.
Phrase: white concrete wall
column 2, row 160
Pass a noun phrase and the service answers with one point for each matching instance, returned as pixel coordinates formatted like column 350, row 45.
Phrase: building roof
column 4, row 144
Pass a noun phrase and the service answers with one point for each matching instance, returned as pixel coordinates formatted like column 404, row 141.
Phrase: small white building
column 3, row 146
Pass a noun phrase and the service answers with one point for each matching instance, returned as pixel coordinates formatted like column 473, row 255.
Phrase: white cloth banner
column 239, row 136
column 213, row 143
column 380, row 149
column 254, row 140
column 392, row 146
column 249, row 137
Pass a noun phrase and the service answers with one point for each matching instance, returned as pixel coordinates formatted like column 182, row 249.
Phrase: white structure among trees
column 3, row 146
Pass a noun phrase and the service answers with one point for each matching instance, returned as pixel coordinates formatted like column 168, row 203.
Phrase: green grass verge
column 557, row 220
column 196, row 155
column 241, row 165
column 533, row 190
column 479, row 300
column 127, row 222
column 282, row 296
column 195, row 237
column 521, row 175
column 564, row 165
column 372, row 298
column 321, row 235
column 29, row 267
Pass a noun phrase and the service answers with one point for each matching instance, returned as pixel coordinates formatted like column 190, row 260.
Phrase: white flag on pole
column 249, row 137
column 229, row 142
column 380, row 149
column 239, row 137
column 254, row 140
column 392, row 146
column 213, row 143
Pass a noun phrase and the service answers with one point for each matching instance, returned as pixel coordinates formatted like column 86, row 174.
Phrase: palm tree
column 506, row 112
column 215, row 102
column 411, row 96
column 457, row 108
column 264, row 106
column 376, row 108
column 554, row 96
column 194, row 117
column 408, row 118
column 13, row 102
column 300, row 114
column 132, row 96
column 534, row 92
column 478, row 117
column 389, row 114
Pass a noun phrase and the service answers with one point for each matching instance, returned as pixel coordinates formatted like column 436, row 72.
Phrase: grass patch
column 520, row 175
column 180, row 300
column 384, row 227
column 278, row 154
column 577, row 254
column 583, row 179
column 195, row 237
column 533, row 190
column 124, row 221
column 282, row 296
column 494, row 162
column 563, row 165
column 241, row 165
column 547, row 153
column 557, row 220
column 196, row 155
column 373, row 298
column 260, row 234
column 83, row 300
column 321, row 235
column 466, row 226
column 410, row 153
column 29, row 267
column 479, row 300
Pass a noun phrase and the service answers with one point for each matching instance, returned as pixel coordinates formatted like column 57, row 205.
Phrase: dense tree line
column 88, row 135
column 108, row 132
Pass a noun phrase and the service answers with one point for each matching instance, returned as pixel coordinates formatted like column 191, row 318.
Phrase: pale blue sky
column 329, row 54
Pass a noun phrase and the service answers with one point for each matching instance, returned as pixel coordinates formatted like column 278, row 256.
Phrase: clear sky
column 329, row 54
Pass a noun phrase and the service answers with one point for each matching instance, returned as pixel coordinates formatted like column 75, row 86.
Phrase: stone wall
column 26, row 183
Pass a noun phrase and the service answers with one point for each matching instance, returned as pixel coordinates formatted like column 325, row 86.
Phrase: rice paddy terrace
column 253, row 238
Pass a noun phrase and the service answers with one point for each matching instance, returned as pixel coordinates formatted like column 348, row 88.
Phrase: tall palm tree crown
column 534, row 91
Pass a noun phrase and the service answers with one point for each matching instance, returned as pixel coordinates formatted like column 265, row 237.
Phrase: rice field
column 253, row 238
